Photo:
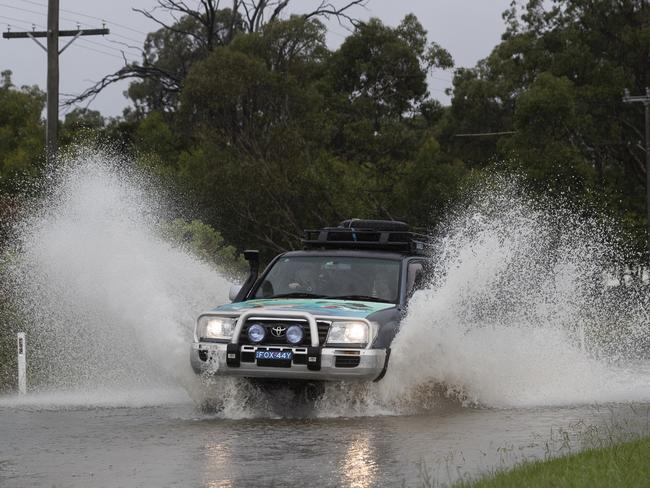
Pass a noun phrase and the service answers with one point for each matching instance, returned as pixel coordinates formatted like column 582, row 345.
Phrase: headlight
column 256, row 333
column 348, row 333
column 215, row 327
column 294, row 334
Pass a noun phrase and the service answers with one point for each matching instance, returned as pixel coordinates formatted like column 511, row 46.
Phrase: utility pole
column 52, row 34
column 52, row 129
column 645, row 100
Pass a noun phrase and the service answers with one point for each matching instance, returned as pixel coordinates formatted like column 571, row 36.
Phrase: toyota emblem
column 278, row 330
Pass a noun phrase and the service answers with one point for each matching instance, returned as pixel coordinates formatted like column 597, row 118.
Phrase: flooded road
column 177, row 445
column 513, row 319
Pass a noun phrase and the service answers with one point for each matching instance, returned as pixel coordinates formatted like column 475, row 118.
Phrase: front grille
column 323, row 329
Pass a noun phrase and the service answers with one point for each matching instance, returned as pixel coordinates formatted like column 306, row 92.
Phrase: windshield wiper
column 297, row 294
column 363, row 298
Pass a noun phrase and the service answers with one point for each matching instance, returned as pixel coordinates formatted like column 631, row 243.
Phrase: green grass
column 626, row 464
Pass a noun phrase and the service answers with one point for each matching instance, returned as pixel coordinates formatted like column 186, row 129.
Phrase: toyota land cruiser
column 327, row 312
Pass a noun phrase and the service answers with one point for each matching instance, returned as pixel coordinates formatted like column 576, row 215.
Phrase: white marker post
column 22, row 364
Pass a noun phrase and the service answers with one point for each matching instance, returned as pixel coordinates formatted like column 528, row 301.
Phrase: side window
column 415, row 278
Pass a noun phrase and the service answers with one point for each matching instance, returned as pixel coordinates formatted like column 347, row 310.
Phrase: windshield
column 332, row 277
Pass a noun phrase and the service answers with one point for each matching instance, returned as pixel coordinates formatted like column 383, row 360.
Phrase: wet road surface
column 177, row 445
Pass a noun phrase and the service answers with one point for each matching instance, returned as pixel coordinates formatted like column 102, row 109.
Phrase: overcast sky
column 469, row 29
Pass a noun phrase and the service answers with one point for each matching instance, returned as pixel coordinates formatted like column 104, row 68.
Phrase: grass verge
column 626, row 464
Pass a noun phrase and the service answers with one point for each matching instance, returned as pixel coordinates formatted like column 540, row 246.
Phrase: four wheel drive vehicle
column 328, row 312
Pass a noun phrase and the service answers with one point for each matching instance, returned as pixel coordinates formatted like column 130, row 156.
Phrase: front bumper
column 335, row 363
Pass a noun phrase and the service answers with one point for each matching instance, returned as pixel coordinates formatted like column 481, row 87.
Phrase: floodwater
column 177, row 445
column 519, row 322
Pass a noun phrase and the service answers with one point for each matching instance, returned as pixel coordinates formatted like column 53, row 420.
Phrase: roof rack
column 378, row 235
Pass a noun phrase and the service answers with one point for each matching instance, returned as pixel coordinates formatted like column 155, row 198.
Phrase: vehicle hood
column 338, row 308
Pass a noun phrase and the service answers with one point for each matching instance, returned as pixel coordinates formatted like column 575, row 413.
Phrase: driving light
column 348, row 333
column 256, row 333
column 215, row 327
column 295, row 334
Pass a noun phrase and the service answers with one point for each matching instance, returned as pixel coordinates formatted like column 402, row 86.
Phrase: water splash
column 110, row 304
column 519, row 311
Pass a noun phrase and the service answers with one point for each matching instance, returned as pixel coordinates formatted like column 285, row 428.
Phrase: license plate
column 274, row 355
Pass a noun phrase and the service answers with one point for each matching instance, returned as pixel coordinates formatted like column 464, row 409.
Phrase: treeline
column 268, row 131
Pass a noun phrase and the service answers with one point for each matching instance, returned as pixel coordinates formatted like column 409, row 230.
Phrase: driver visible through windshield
column 350, row 278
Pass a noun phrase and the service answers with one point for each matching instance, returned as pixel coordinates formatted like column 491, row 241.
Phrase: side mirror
column 419, row 282
column 234, row 291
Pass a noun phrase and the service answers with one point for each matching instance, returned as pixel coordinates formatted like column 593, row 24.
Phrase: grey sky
column 469, row 29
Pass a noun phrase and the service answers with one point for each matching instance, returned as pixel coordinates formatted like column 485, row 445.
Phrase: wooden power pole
column 52, row 34
column 645, row 100
column 52, row 129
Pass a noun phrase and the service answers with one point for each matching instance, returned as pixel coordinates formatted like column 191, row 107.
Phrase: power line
column 68, row 20
column 121, row 43
column 22, row 9
column 20, row 21
column 90, row 17
column 107, row 47
column 100, row 51
column 53, row 51
column 26, row 24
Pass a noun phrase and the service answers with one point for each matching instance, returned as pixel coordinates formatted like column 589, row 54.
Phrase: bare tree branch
column 172, row 28
column 278, row 10
column 328, row 9
column 168, row 80
column 256, row 11
column 249, row 15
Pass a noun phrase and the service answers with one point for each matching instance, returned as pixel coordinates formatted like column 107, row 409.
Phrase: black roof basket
column 378, row 235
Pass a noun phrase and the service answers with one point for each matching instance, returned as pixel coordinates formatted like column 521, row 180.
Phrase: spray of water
column 520, row 312
column 517, row 313
column 110, row 304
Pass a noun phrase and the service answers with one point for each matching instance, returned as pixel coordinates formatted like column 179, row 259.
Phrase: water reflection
column 416, row 450
column 219, row 461
column 220, row 484
column 359, row 467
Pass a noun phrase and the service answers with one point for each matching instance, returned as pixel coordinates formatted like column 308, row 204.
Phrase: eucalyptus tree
column 189, row 32
column 554, row 84
column 256, row 121
column 378, row 94
column 288, row 133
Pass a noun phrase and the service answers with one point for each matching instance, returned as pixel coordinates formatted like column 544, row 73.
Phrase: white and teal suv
column 328, row 312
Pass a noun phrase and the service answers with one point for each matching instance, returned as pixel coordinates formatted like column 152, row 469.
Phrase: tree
column 544, row 119
column 378, row 95
column 256, row 120
column 169, row 52
column 80, row 124
column 157, row 142
column 557, row 80
column 383, row 70
column 285, row 132
column 21, row 134
column 431, row 183
column 205, row 242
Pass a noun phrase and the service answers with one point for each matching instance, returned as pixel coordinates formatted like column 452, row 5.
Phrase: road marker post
column 22, row 364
